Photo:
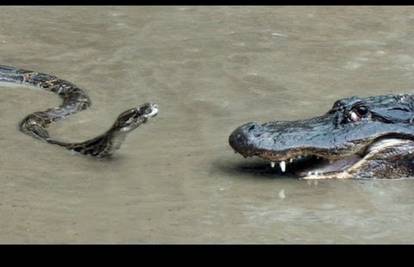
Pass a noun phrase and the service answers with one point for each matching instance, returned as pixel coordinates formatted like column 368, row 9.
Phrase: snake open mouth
column 153, row 112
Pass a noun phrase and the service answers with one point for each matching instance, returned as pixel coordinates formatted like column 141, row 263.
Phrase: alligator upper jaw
column 309, row 164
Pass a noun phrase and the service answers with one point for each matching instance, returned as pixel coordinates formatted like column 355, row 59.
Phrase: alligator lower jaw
column 316, row 166
column 340, row 169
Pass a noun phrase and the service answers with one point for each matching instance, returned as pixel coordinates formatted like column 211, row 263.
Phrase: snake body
column 74, row 100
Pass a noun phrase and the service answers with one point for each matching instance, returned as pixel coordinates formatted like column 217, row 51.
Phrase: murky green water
column 210, row 69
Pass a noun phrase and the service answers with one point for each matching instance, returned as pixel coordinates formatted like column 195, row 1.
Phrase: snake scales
column 74, row 100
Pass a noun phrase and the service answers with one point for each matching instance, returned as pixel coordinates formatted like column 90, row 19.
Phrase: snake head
column 132, row 118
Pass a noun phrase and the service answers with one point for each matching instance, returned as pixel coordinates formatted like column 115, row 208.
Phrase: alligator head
column 357, row 138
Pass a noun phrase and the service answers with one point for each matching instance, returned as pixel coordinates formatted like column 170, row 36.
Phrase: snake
column 74, row 99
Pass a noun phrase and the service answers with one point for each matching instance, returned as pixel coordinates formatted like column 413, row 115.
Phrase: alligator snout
column 243, row 138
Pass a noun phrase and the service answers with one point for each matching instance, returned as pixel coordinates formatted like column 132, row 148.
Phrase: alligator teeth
column 282, row 165
column 272, row 164
column 313, row 173
column 291, row 160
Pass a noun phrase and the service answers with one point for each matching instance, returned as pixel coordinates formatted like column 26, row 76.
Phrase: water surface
column 210, row 69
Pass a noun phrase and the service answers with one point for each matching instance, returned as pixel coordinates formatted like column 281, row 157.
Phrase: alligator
column 369, row 137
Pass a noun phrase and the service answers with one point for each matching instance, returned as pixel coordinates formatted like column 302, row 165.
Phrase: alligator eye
column 358, row 113
column 361, row 111
column 354, row 116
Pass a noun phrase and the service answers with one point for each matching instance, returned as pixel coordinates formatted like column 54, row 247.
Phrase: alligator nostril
column 253, row 127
